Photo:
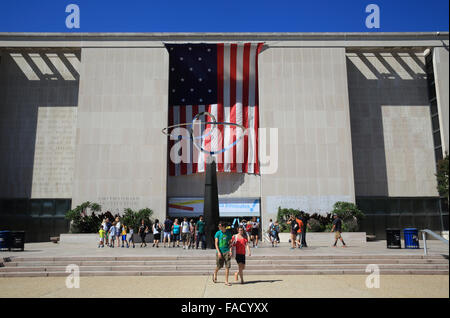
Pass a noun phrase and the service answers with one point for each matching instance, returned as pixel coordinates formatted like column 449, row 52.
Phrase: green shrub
column 316, row 226
column 347, row 211
column 283, row 216
column 133, row 218
column 81, row 222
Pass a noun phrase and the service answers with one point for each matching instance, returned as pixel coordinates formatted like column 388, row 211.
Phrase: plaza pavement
column 270, row 286
column 76, row 249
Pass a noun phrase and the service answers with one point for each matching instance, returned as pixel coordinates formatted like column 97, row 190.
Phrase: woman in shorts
column 176, row 231
column 255, row 232
column 240, row 242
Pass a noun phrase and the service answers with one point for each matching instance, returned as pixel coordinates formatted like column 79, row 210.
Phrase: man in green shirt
column 200, row 231
column 223, row 256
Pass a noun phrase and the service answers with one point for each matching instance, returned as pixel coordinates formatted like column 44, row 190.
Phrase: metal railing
column 436, row 236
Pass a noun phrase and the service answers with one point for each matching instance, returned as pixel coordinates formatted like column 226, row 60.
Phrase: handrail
column 424, row 236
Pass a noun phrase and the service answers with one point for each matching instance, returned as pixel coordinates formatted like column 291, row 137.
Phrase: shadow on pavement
column 262, row 281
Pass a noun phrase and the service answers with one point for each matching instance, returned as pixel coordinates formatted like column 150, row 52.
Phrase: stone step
column 220, row 277
column 206, row 267
column 250, row 260
column 212, row 257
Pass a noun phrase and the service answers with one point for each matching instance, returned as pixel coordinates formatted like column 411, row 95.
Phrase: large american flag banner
column 221, row 79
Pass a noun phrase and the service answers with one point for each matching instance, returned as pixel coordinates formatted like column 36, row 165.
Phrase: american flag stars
column 193, row 74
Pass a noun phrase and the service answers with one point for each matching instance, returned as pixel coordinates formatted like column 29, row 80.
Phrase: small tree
column 442, row 177
column 283, row 216
column 81, row 222
column 347, row 210
column 350, row 215
column 133, row 218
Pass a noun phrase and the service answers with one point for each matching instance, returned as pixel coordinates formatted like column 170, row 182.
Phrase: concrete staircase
column 204, row 265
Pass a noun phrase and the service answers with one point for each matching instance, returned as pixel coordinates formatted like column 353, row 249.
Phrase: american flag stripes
column 221, row 79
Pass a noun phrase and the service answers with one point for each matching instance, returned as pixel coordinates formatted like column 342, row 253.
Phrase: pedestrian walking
column 176, row 231
column 156, row 233
column 106, row 227
column 269, row 232
column 112, row 234
column 124, row 236
column 299, row 232
column 305, row 218
column 294, row 228
column 200, row 230
column 248, row 229
column 101, row 233
column 185, row 233
column 118, row 230
column 131, row 238
column 337, row 228
column 240, row 242
column 192, row 234
column 275, row 232
column 254, row 232
column 143, row 230
column 167, row 230
column 222, row 242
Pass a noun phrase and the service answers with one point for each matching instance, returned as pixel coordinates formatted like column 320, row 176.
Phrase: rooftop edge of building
column 273, row 39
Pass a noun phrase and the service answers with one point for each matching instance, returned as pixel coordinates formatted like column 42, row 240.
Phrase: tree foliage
column 133, row 218
column 347, row 211
column 442, row 176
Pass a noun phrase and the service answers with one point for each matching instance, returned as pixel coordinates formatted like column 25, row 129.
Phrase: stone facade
column 81, row 118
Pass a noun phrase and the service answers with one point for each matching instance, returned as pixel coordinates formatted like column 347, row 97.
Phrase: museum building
column 358, row 117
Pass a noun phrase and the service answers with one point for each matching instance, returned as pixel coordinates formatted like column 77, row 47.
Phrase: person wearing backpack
column 156, row 233
column 275, row 231
column 294, row 228
column 270, row 232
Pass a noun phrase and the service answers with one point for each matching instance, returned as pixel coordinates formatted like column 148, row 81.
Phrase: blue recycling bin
column 411, row 236
column 5, row 237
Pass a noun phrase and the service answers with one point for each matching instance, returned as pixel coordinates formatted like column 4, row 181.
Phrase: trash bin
column 4, row 239
column 411, row 238
column 393, row 238
column 17, row 240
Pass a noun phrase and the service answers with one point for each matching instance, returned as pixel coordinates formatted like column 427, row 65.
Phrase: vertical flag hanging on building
column 221, row 79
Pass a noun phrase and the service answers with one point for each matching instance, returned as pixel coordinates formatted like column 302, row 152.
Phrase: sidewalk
column 372, row 248
column 273, row 286
column 257, row 286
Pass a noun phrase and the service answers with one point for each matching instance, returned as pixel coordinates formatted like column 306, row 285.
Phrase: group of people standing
column 251, row 230
column 110, row 232
column 187, row 233
column 298, row 231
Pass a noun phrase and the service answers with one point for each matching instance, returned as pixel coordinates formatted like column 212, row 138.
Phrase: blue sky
column 223, row 16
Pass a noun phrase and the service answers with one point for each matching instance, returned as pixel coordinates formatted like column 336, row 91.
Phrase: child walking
column 131, row 239
column 124, row 236
column 112, row 234
column 101, row 233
